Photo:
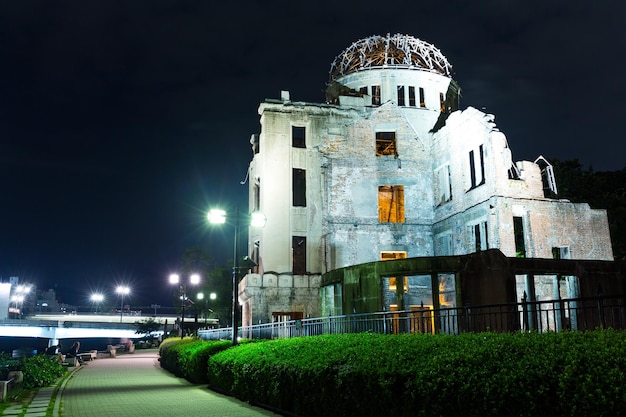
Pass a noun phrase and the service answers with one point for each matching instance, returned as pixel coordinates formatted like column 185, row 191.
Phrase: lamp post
column 194, row 279
column 97, row 298
column 122, row 291
column 217, row 216
column 21, row 292
column 212, row 297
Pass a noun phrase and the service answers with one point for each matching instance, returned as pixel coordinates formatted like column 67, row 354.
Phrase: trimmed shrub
column 489, row 374
column 40, row 371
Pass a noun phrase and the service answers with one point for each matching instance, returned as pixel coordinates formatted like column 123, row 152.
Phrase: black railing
column 540, row 316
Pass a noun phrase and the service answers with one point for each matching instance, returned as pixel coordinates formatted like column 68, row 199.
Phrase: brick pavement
column 135, row 384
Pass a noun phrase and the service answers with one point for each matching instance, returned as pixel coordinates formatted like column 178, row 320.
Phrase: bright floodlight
column 217, row 216
column 194, row 279
column 97, row 298
column 200, row 296
column 174, row 279
column 122, row 290
column 213, row 296
column 257, row 219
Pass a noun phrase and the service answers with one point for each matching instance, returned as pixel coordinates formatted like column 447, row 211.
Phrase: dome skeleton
column 397, row 51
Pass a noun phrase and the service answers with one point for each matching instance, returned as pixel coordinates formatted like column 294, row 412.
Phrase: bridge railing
column 541, row 316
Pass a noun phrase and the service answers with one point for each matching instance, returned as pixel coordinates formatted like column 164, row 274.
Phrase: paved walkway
column 134, row 384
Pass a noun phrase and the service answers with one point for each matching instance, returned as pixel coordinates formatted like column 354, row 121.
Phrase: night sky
column 122, row 122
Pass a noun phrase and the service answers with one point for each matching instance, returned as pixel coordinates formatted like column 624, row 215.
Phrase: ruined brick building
column 390, row 167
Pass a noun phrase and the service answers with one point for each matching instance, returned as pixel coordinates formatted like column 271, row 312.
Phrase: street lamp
column 97, row 298
column 21, row 292
column 256, row 219
column 194, row 279
column 122, row 291
column 212, row 297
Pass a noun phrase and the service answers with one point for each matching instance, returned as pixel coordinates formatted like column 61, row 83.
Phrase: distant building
column 390, row 167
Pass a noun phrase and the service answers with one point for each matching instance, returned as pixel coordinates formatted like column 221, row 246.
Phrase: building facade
column 390, row 167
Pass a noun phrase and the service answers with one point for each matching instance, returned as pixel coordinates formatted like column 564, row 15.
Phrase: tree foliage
column 602, row 190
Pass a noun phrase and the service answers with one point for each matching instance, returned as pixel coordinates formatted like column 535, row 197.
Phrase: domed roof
column 396, row 51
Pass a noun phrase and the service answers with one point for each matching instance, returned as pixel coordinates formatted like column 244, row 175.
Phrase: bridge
column 81, row 326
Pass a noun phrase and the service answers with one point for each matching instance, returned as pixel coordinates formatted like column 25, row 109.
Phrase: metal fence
column 541, row 316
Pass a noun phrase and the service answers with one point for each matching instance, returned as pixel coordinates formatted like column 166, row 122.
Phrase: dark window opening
column 518, row 231
column 481, row 237
column 298, row 137
column 412, row 96
column 386, row 143
column 363, row 90
column 422, row 98
column 400, row 95
column 376, row 95
column 298, row 247
column 256, row 203
column 442, row 103
column 477, row 173
column 299, row 187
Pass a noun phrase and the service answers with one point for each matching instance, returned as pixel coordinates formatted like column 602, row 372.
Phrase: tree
column 602, row 190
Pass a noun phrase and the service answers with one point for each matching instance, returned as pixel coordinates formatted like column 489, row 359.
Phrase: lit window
column 386, row 143
column 387, row 256
column 391, row 204
column 298, row 137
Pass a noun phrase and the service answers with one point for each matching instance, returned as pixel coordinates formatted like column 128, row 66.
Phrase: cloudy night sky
column 122, row 122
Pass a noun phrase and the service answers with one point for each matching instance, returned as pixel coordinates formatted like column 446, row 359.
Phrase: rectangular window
column 363, row 90
column 412, row 96
column 422, row 98
column 298, row 248
column 256, row 203
column 560, row 253
column 443, row 244
column 479, row 236
column 386, row 143
column 376, row 95
column 518, row 232
column 391, row 204
column 442, row 103
column 299, row 187
column 477, row 167
column 387, row 256
column 298, row 137
column 443, row 184
column 400, row 95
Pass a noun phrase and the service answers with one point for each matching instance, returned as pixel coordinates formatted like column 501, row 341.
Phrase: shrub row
column 557, row 374
column 187, row 358
column 39, row 370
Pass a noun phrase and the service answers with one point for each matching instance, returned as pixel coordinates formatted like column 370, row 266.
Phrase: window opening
column 298, row 137
column 479, row 236
column 442, row 103
column 386, row 143
column 443, row 192
column 422, row 98
column 391, row 204
column 299, row 187
column 518, row 231
column 477, row 171
column 388, row 256
column 363, row 90
column 412, row 96
column 298, row 248
column 400, row 95
column 376, row 95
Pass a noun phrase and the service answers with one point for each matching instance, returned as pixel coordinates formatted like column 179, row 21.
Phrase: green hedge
column 556, row 374
column 39, row 370
column 188, row 357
